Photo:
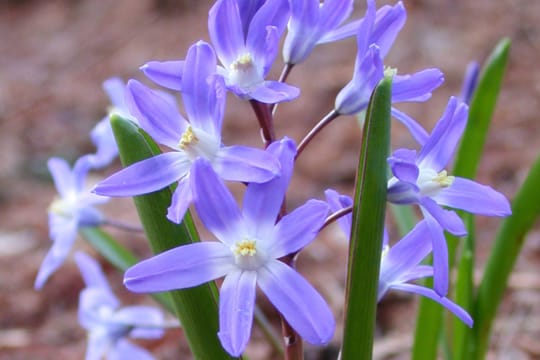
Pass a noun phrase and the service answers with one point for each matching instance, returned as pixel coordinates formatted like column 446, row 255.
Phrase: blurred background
column 56, row 54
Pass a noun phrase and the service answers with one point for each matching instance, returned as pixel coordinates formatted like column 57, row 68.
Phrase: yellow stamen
column 245, row 248
column 444, row 179
column 188, row 138
column 243, row 62
column 390, row 71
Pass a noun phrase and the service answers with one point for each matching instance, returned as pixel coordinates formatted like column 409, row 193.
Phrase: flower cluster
column 257, row 243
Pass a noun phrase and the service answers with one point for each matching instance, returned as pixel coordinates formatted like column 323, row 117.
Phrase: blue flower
column 107, row 323
column 246, row 39
column 375, row 36
column 401, row 263
column 200, row 137
column 73, row 209
column 420, row 178
column 250, row 244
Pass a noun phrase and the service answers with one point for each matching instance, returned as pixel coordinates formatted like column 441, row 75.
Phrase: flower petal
column 454, row 308
column 416, row 130
column 179, row 268
column 91, row 300
column 236, row 305
column 403, row 165
column 242, row 163
column 303, row 31
column 298, row 228
column 147, row 321
column 91, row 271
column 271, row 92
column 416, row 87
column 124, row 349
column 165, row 73
column 448, row 219
column 336, row 203
column 64, row 236
column 473, row 197
column 262, row 202
column 156, row 114
column 181, row 199
column 440, row 255
column 62, row 176
column 215, row 204
column 145, row 176
column 387, row 26
column 443, row 140
column 98, row 344
column 228, row 44
column 301, row 305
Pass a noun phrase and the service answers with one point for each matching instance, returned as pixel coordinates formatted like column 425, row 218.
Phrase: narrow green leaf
column 195, row 307
column 481, row 111
column 508, row 243
column 367, row 228
column 119, row 256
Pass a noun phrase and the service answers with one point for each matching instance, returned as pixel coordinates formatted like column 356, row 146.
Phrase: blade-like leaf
column 508, row 244
column 367, row 228
column 195, row 307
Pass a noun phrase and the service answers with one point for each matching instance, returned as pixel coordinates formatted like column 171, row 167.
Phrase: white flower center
column 247, row 256
column 196, row 142
column 431, row 183
column 65, row 207
column 243, row 72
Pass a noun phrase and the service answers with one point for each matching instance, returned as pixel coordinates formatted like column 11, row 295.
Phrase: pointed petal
column 469, row 82
column 123, row 349
column 165, row 73
column 336, row 203
column 262, row 202
column 406, row 253
column 198, row 90
column 228, row 44
column 242, row 163
column 179, row 268
column 387, row 26
column 416, row 87
column 215, row 204
column 115, row 89
column 98, row 344
column 156, row 114
column 147, row 321
column 302, row 32
column 403, row 165
column 103, row 138
column 454, row 308
column 440, row 255
column 365, row 29
column 443, row 140
column 271, row 92
column 91, row 271
column 416, row 273
column 61, row 174
column 91, row 300
column 64, row 236
column 416, row 130
column 145, row 176
column 468, row 195
column 301, row 305
column 342, row 32
column 334, row 12
column 236, row 305
column 448, row 219
column 181, row 199
column 298, row 228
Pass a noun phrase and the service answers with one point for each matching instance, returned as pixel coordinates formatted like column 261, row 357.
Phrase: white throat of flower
column 243, row 72
column 247, row 255
column 66, row 206
column 196, row 142
column 431, row 183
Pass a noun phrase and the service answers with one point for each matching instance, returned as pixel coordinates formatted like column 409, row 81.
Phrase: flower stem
column 342, row 212
column 266, row 121
column 123, row 226
column 316, row 129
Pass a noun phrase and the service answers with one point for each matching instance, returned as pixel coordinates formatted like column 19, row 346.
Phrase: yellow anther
column 243, row 62
column 444, row 179
column 61, row 207
column 245, row 248
column 188, row 138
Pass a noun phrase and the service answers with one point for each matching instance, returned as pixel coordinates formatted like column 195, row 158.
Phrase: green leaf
column 508, row 244
column 119, row 256
column 367, row 228
column 195, row 307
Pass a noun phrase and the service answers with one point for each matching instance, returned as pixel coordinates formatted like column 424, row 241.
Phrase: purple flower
column 250, row 244
column 401, row 263
column 246, row 39
column 313, row 23
column 376, row 34
column 421, row 179
column 200, row 137
column 470, row 82
column 108, row 324
column 73, row 209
